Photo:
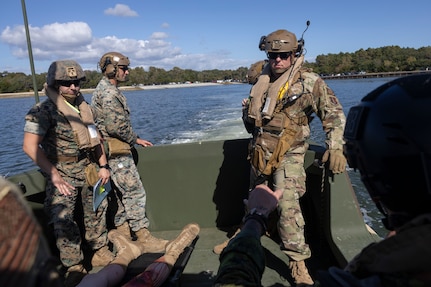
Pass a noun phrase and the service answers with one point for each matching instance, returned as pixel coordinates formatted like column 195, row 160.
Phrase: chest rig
column 274, row 137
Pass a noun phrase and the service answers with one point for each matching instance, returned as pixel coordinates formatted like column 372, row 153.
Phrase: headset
column 108, row 67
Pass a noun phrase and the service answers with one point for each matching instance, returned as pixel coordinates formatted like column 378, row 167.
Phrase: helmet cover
column 110, row 61
column 64, row 70
column 281, row 41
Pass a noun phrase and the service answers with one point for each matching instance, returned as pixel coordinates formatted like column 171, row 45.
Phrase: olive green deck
column 206, row 182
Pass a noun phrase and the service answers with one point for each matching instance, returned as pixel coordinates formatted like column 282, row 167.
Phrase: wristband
column 259, row 217
column 106, row 166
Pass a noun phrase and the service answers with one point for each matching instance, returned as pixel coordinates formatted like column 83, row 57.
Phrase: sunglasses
column 283, row 55
column 124, row 68
column 76, row 83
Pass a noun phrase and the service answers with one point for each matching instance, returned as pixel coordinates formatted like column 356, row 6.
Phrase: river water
column 179, row 115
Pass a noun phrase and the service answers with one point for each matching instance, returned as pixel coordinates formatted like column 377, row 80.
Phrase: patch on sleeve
column 333, row 99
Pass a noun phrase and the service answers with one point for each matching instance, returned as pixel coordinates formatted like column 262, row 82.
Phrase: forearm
column 243, row 260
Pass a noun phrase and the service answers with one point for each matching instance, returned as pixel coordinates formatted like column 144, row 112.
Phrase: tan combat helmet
column 64, row 70
column 110, row 61
column 279, row 41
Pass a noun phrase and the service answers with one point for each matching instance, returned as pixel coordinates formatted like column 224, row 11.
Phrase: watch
column 105, row 166
column 254, row 214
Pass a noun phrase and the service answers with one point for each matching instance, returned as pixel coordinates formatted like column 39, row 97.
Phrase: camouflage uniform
column 59, row 140
column 113, row 120
column 318, row 98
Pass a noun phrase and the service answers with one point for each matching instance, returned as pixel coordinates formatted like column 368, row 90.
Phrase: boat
column 205, row 182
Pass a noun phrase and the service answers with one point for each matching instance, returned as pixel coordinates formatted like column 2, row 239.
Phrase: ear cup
column 108, row 68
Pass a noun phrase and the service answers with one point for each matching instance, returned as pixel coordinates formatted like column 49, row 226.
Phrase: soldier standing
column 113, row 121
column 278, row 113
column 61, row 138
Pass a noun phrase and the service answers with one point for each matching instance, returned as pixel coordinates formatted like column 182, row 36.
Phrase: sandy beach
column 125, row 88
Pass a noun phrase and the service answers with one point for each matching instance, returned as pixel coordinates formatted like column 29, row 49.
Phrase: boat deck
column 206, row 183
column 202, row 266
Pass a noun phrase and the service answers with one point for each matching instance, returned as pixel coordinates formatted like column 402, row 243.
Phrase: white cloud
column 121, row 10
column 74, row 40
column 159, row 35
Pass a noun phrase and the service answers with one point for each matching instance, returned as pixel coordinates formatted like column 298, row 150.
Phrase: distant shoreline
column 125, row 88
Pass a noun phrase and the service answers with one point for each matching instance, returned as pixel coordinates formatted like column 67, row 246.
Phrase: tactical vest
column 274, row 137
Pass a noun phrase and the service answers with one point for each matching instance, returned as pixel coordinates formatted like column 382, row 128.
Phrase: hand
column 337, row 160
column 244, row 102
column 143, row 142
column 263, row 199
column 104, row 174
column 63, row 186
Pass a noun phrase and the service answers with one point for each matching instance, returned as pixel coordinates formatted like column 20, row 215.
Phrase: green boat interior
column 205, row 183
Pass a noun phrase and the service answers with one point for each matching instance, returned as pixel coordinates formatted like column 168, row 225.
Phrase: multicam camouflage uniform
column 316, row 97
column 113, row 120
column 45, row 120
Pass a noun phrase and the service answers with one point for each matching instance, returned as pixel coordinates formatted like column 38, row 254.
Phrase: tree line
column 377, row 60
column 371, row 60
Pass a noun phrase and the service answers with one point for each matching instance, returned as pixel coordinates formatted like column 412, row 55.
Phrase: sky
column 200, row 34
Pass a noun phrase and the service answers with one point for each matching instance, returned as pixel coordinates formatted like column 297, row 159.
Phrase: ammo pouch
column 91, row 174
column 117, row 147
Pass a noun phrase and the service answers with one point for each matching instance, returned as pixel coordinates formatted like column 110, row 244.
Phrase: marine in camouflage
column 113, row 120
column 59, row 141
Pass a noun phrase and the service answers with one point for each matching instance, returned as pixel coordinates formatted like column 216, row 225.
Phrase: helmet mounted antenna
column 301, row 41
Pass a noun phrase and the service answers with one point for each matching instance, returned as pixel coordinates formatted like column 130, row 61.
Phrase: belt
column 74, row 158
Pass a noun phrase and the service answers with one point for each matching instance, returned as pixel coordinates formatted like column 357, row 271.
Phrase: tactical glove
column 337, row 161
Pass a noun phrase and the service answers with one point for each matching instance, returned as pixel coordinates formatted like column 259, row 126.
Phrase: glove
column 337, row 161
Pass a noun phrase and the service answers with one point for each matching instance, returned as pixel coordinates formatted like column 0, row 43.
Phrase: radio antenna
column 301, row 41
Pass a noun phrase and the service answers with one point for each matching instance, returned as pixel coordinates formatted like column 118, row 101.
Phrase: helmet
column 254, row 71
column 110, row 62
column 388, row 138
column 64, row 70
column 279, row 41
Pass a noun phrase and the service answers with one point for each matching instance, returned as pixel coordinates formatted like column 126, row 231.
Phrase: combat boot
column 124, row 229
column 102, row 257
column 127, row 250
column 300, row 274
column 177, row 246
column 151, row 244
column 74, row 275
column 218, row 249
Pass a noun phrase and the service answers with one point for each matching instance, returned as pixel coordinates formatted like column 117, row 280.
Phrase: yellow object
column 283, row 90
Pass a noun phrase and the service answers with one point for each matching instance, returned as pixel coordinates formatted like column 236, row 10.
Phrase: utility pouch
column 267, row 141
column 277, row 123
column 258, row 158
column 117, row 147
column 91, row 174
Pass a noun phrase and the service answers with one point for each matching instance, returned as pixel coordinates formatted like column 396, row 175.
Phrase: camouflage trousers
column 131, row 197
column 290, row 177
column 62, row 210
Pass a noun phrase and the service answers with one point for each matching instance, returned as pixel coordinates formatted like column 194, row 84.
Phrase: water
column 172, row 116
